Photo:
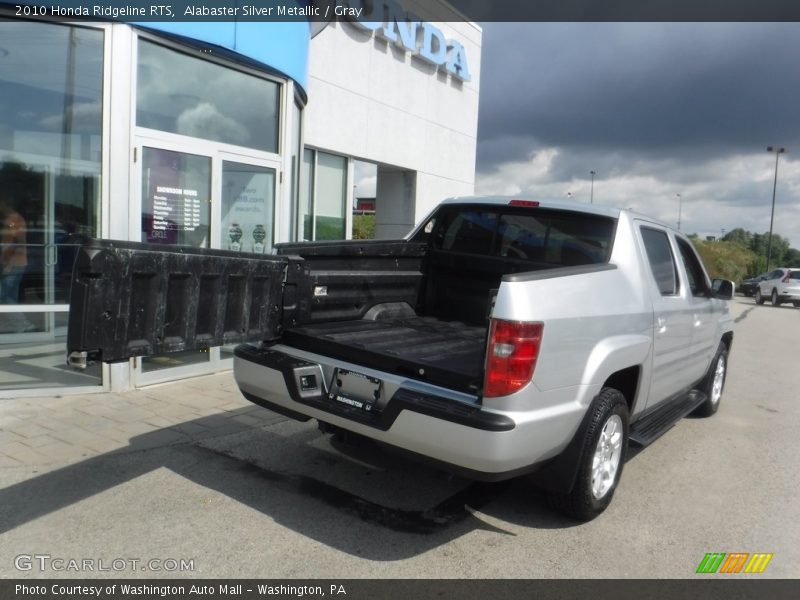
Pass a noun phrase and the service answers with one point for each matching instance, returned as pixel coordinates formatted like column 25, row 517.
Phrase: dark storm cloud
column 621, row 95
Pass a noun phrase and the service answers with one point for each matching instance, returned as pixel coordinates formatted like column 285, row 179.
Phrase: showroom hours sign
column 175, row 209
column 176, row 198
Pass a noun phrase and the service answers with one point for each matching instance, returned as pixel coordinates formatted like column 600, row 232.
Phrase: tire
column 606, row 441
column 796, row 303
column 759, row 298
column 714, row 383
column 774, row 298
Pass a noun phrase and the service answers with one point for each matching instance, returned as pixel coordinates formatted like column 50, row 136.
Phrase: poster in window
column 248, row 194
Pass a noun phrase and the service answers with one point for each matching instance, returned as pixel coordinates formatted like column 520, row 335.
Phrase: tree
column 758, row 244
column 792, row 258
column 739, row 236
column 726, row 260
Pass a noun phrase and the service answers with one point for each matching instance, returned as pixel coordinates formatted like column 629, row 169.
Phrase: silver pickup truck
column 501, row 337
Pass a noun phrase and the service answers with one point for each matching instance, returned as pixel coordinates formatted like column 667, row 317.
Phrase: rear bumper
column 403, row 399
column 789, row 294
column 430, row 423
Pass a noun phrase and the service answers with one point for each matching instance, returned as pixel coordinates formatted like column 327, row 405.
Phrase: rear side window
column 549, row 237
column 662, row 263
column 794, row 275
column 694, row 269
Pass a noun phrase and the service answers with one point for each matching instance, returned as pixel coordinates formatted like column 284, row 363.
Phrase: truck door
column 701, row 303
column 672, row 321
column 138, row 299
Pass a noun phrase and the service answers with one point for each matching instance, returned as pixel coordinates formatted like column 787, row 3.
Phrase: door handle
column 661, row 322
column 50, row 255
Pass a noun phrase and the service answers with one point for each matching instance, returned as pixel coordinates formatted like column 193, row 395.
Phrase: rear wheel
column 796, row 303
column 605, row 445
column 759, row 297
column 713, row 383
column 775, row 301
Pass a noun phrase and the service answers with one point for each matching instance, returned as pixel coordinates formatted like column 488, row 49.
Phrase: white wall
column 371, row 100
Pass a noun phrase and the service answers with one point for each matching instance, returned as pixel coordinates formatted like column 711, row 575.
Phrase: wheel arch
column 627, row 382
column 560, row 473
column 727, row 339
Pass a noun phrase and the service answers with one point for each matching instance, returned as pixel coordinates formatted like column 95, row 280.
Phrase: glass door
column 247, row 217
column 51, row 124
column 56, row 210
column 210, row 199
column 175, row 200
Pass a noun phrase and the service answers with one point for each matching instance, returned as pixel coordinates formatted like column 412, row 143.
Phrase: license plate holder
column 356, row 390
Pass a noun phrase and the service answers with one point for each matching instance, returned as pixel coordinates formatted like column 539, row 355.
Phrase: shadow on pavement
column 394, row 508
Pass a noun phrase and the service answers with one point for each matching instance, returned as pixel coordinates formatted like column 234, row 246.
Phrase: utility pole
column 778, row 151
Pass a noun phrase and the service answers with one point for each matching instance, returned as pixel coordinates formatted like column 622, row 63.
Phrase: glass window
column 176, row 198
column 323, row 196
column 51, row 108
column 329, row 215
column 248, row 204
column 541, row 236
column 698, row 282
column 662, row 264
column 470, row 231
column 183, row 94
column 51, row 91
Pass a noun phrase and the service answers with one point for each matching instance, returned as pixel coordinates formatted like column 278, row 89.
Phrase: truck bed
column 445, row 353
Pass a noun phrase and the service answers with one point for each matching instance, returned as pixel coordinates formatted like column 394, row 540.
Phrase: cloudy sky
column 655, row 109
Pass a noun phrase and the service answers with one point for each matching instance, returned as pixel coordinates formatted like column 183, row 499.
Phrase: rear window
column 552, row 237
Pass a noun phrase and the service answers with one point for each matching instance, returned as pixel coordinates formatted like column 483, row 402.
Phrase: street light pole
column 591, row 194
column 680, row 206
column 778, row 151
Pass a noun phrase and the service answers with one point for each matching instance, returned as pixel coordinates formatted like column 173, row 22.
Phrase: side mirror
column 723, row 289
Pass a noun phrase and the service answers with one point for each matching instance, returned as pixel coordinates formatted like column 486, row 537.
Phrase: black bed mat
column 446, row 353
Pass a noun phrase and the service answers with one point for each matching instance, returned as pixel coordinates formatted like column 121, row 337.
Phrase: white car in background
column 780, row 285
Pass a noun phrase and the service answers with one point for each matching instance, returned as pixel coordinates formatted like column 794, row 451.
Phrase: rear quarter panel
column 595, row 324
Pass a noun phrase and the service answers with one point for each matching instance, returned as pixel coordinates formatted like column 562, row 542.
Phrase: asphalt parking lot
column 191, row 473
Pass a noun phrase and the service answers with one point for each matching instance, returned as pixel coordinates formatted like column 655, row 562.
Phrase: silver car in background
column 780, row 285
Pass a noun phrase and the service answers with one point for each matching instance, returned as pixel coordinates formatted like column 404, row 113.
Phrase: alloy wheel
column 607, row 453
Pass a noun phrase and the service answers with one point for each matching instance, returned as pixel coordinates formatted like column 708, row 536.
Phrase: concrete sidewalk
column 54, row 431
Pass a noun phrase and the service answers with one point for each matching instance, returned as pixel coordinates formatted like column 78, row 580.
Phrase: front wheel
column 759, row 297
column 605, row 445
column 713, row 383
column 796, row 303
column 775, row 301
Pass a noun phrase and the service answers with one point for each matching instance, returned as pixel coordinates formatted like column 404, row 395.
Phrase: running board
column 653, row 426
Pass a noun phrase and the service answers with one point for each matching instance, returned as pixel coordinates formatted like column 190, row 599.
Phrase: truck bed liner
column 446, row 353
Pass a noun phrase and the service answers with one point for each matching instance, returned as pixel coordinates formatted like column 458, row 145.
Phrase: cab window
column 662, row 263
column 698, row 283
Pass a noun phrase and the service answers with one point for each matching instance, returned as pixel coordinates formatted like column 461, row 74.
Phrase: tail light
column 788, row 277
column 511, row 356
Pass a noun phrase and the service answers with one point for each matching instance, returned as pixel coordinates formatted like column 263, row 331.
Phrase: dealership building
column 229, row 134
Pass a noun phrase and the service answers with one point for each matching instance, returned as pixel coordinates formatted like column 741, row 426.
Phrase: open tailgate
column 136, row 299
